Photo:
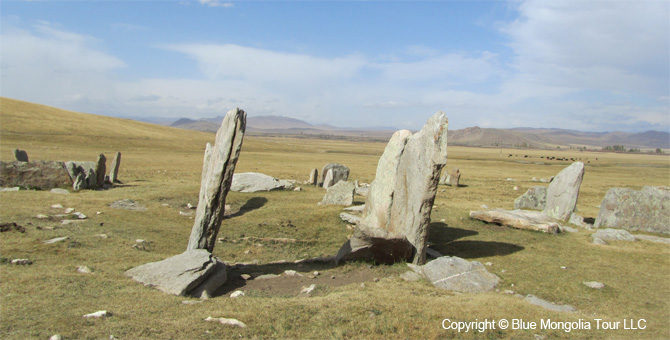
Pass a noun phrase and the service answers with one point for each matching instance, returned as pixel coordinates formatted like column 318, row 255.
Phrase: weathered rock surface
column 350, row 218
column 340, row 172
column 100, row 170
column 217, row 174
column 255, row 182
column 579, row 221
column 328, row 180
column 127, row 204
column 563, row 192
column 610, row 234
column 83, row 174
column 182, row 274
column 456, row 274
column 535, row 199
column 401, row 197
column 548, row 305
column 644, row 210
column 20, row 155
column 520, row 219
column 43, row 175
column 114, row 170
column 342, row 193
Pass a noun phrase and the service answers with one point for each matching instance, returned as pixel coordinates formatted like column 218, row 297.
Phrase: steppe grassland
column 162, row 165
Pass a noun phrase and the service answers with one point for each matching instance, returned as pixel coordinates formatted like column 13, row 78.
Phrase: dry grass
column 161, row 170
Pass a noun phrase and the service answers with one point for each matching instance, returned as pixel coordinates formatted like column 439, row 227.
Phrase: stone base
column 377, row 245
column 520, row 219
column 192, row 273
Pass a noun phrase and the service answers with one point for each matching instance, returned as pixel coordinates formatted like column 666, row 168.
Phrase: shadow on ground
column 252, row 204
column 444, row 239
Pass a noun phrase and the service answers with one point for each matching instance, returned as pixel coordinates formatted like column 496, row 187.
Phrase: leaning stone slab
column 217, row 174
column 535, row 199
column 181, row 274
column 255, row 182
column 519, row 219
column 459, row 275
column 645, row 210
column 342, row 193
column 114, row 170
column 43, row 175
column 563, row 192
column 548, row 305
column 401, row 197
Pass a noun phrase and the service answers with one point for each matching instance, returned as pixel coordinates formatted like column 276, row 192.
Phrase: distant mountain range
column 473, row 136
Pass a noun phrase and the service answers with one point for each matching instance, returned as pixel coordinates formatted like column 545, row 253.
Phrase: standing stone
column 21, row 155
column 394, row 224
column 100, row 170
column 114, row 170
column 342, row 193
column 535, row 198
column 328, row 180
column 563, row 192
column 445, row 178
column 454, row 177
column 217, row 174
column 313, row 177
column 79, row 182
column 645, row 210
column 340, row 172
column 91, row 179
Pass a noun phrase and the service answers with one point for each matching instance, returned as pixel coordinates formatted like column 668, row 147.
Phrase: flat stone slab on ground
column 520, row 219
column 128, row 204
column 548, row 305
column 456, row 274
column 180, row 274
column 255, row 182
column 610, row 234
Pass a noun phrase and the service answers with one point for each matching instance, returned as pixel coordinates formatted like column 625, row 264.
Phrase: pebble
column 308, row 290
column 190, row 206
column 98, row 314
column 594, row 284
column 376, row 279
column 98, row 212
column 56, row 337
column 21, row 262
column 292, row 273
column 80, row 216
column 84, row 270
column 57, row 206
column 224, row 321
column 57, row 239
column 42, row 216
column 266, row 277
column 69, row 210
column 237, row 293
column 245, row 277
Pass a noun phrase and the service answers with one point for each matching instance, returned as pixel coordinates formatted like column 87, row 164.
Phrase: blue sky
column 584, row 65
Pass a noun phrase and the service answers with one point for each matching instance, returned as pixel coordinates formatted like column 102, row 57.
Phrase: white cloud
column 217, row 3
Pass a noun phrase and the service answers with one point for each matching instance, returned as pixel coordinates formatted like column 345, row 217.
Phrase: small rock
column 84, row 270
column 42, row 216
column 69, row 210
column 516, row 188
column 297, row 189
column 99, row 314
column 59, row 191
column 510, row 292
column 237, row 293
column 410, row 276
column 564, row 267
column 308, row 290
column 266, row 277
column 569, row 229
column 191, row 206
column 10, row 189
column 191, row 302
column 185, row 214
column 376, row 279
column 98, row 213
column 103, row 236
column 510, row 179
column 488, row 264
column 57, row 239
column 22, row 262
column 80, row 216
column 56, row 337
column 315, row 273
column 57, row 206
column 245, row 277
column 291, row 273
column 362, row 285
column 139, row 240
column 594, row 284
column 224, row 321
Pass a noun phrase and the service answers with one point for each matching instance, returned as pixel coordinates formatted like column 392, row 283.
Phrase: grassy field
column 160, row 169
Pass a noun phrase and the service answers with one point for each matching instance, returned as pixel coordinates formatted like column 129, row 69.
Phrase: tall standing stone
column 455, row 177
column 313, row 177
column 563, row 192
column 398, row 206
column 21, row 155
column 100, row 170
column 114, row 170
column 217, row 174
column 328, row 180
